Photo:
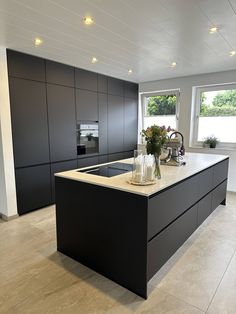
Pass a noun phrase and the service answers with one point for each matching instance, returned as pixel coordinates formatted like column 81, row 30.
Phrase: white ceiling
column 144, row 35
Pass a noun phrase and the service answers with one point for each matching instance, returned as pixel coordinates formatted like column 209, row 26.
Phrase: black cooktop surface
column 110, row 170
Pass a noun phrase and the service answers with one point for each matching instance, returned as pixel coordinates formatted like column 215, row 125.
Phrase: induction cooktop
column 110, row 170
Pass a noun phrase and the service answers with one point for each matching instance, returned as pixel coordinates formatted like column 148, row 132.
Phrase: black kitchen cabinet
column 86, row 80
column 204, row 208
column 86, row 162
column 59, row 73
column 47, row 99
column 131, row 90
column 29, row 122
column 115, row 124
column 103, row 159
column 115, row 86
column 114, row 157
column 130, row 124
column 102, row 83
column 129, row 154
column 86, row 105
column 33, row 187
column 102, row 118
column 59, row 167
column 25, row 66
column 62, row 124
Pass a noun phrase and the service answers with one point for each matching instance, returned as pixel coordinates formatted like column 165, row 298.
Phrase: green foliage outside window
column 223, row 104
column 161, row 105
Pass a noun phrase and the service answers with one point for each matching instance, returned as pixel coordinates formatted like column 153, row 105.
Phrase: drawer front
column 167, row 206
column 219, row 194
column 204, row 208
column 161, row 248
column 220, row 172
column 205, row 182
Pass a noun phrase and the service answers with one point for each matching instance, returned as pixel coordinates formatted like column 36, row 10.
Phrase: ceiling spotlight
column 232, row 53
column 173, row 64
column 88, row 20
column 38, row 42
column 130, row 71
column 213, row 30
column 94, row 60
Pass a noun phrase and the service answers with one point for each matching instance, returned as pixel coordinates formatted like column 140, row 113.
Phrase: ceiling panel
column 143, row 35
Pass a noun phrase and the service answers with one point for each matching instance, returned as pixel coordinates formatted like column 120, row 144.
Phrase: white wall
column 185, row 84
column 8, row 206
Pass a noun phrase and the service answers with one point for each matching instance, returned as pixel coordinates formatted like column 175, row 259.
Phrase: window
column 160, row 108
column 215, row 113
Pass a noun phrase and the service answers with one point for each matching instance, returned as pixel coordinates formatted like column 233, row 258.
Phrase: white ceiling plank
column 143, row 35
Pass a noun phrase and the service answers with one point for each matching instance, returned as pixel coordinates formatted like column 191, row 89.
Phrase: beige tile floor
column 35, row 278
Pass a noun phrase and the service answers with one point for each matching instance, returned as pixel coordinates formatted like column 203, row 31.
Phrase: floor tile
column 224, row 302
column 35, row 278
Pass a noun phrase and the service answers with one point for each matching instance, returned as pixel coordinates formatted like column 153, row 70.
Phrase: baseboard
column 231, row 192
column 8, row 218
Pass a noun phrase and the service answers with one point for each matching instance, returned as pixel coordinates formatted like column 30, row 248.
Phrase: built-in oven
column 87, row 137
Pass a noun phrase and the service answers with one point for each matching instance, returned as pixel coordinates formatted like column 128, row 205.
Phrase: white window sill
column 204, row 149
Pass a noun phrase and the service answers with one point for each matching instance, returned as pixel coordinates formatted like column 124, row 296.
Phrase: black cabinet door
column 102, row 83
column 33, row 187
column 86, row 105
column 86, row 80
column 59, row 167
column 204, row 208
column 114, row 157
column 29, row 122
column 103, row 159
column 25, row 66
column 62, row 124
column 102, row 118
column 169, row 240
column 131, row 90
column 130, row 124
column 115, row 86
column 115, row 124
column 129, row 154
column 59, row 73
column 86, row 162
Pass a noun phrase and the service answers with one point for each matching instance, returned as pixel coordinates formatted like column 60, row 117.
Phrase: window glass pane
column 160, row 110
column 218, row 115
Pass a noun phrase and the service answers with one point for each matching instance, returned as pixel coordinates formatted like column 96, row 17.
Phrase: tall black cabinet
column 47, row 100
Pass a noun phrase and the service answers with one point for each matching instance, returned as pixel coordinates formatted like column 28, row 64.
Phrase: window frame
column 145, row 95
column 197, row 90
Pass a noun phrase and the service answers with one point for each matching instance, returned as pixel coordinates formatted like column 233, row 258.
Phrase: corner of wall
column 8, row 204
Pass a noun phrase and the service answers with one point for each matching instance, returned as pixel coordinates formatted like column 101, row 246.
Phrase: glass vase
column 157, row 171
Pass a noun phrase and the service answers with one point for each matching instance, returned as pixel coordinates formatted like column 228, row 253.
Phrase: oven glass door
column 87, row 138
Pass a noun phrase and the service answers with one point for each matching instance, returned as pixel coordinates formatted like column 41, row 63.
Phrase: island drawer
column 219, row 195
column 205, row 182
column 220, row 172
column 204, row 208
column 168, row 205
column 161, row 248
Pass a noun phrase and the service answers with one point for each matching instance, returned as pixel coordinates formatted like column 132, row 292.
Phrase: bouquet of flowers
column 156, row 136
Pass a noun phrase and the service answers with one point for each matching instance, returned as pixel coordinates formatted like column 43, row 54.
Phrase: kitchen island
column 127, row 232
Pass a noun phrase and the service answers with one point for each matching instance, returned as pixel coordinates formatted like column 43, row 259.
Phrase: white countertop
column 169, row 174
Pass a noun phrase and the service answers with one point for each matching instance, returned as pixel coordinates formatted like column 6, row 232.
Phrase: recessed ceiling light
column 213, row 30
column 173, row 64
column 94, row 60
column 232, row 53
column 88, row 20
column 38, row 42
column 130, row 71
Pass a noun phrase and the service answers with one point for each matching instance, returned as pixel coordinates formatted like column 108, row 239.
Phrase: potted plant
column 210, row 141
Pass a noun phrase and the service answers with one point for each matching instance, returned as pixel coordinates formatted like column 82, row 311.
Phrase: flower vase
column 157, row 171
